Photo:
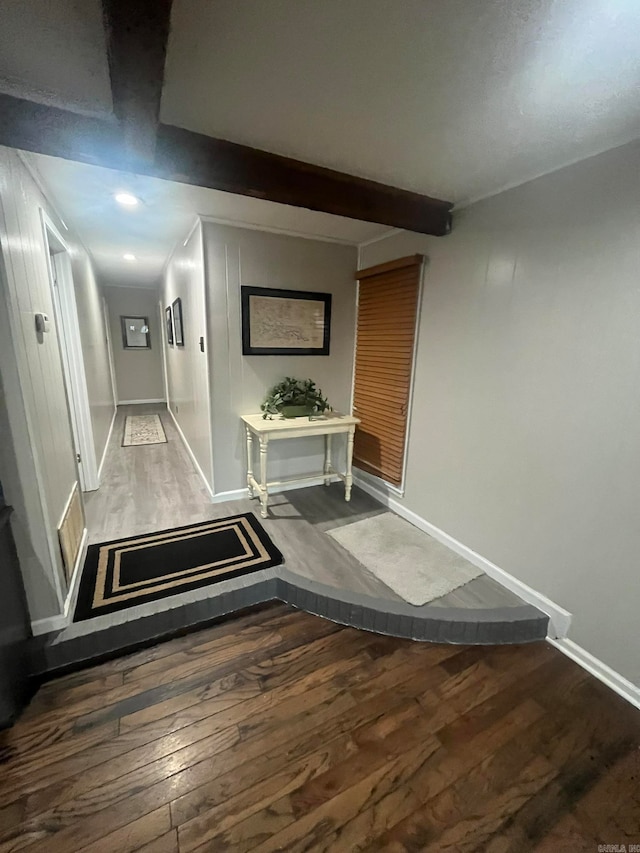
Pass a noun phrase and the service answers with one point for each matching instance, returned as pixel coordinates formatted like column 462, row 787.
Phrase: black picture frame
column 178, row 322
column 249, row 318
column 168, row 319
column 134, row 338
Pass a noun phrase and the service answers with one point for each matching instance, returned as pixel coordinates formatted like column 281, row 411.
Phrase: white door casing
column 61, row 279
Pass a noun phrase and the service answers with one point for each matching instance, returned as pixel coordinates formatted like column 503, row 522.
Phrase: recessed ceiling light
column 126, row 199
column 129, row 257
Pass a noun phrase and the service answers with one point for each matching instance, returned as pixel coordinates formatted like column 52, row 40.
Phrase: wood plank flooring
column 283, row 731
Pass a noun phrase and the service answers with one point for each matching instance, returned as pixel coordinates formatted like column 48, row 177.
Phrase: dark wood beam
column 60, row 133
column 187, row 157
column 197, row 159
column 137, row 33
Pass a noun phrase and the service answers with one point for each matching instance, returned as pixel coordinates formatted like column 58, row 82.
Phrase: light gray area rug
column 413, row 564
column 143, row 429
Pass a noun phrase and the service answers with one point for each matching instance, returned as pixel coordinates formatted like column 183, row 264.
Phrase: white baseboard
column 49, row 624
column 237, row 494
column 559, row 618
column 106, row 444
column 62, row 620
column 378, row 484
column 139, row 402
column 191, row 453
column 600, row 670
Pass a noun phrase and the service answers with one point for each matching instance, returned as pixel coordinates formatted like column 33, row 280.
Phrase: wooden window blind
column 387, row 306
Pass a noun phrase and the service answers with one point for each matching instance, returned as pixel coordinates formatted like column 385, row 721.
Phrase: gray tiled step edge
column 477, row 626
column 502, row 625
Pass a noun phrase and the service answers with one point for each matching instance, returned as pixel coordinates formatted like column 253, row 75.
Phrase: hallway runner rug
column 127, row 572
column 143, row 429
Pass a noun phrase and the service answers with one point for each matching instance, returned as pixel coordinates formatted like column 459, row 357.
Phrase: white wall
column 40, row 474
column 95, row 353
column 235, row 257
column 138, row 372
column 187, row 373
column 525, row 430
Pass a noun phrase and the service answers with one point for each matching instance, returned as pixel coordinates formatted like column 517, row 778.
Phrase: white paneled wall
column 525, row 429
column 236, row 257
column 94, row 349
column 187, row 367
column 45, row 475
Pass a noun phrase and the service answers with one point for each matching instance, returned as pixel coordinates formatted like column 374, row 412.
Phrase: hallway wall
column 187, row 370
column 95, row 351
column 41, row 473
column 138, row 372
column 239, row 256
column 526, row 413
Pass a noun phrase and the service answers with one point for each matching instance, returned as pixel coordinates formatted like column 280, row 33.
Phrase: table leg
column 264, row 494
column 327, row 459
column 348, row 478
column 249, row 461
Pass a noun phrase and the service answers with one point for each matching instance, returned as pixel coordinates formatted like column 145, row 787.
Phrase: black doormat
column 127, row 572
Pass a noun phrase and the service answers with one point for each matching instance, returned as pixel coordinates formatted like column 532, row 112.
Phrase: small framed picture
column 169, row 324
column 178, row 328
column 285, row 322
column 168, row 319
column 135, row 332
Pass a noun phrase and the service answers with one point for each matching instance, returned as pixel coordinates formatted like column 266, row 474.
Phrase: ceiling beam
column 61, row 133
column 137, row 33
column 197, row 159
column 192, row 158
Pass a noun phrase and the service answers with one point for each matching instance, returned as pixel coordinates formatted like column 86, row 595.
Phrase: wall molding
column 273, row 229
column 62, row 620
column 140, row 402
column 512, row 185
column 381, row 486
column 559, row 618
column 191, row 454
column 234, row 495
column 602, row 671
column 237, row 494
column 141, row 286
column 390, row 233
column 106, row 444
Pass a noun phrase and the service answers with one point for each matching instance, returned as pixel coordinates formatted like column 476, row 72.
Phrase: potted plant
column 294, row 398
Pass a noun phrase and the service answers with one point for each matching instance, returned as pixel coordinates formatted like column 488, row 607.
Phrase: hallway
column 145, row 488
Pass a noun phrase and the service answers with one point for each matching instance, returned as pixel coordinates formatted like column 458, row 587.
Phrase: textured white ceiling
column 83, row 196
column 455, row 98
column 54, row 52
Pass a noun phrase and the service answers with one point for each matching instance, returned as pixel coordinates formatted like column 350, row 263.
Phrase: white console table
column 270, row 430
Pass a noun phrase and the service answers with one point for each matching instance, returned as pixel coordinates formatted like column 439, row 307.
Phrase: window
column 387, row 308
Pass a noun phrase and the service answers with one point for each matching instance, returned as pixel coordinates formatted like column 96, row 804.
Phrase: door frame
column 64, row 301
column 112, row 366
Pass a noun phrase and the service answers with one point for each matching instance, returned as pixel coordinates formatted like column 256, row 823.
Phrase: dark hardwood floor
column 282, row 731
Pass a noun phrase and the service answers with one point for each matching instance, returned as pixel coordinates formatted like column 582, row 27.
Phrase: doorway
column 66, row 319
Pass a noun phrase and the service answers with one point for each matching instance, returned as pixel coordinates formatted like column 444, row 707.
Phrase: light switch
column 42, row 323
